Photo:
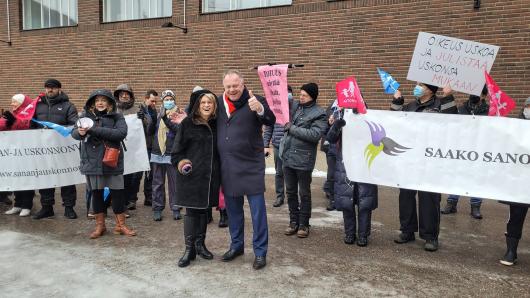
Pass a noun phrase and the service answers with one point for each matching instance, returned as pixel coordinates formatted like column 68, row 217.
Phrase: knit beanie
column 19, row 98
column 432, row 88
column 311, row 89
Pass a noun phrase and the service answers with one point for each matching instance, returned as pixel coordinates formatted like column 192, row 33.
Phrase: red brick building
column 95, row 48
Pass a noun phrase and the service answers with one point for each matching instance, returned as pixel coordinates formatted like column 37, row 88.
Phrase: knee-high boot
column 201, row 236
column 190, row 226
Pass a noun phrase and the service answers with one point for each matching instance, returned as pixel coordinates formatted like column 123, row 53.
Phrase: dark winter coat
column 109, row 129
column 151, row 130
column 153, row 127
column 445, row 105
column 198, row 143
column 58, row 110
column 348, row 193
column 299, row 145
column 480, row 109
column 272, row 135
column 240, row 144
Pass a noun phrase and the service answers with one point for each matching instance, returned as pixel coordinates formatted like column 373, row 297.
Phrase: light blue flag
column 106, row 193
column 64, row 131
column 389, row 84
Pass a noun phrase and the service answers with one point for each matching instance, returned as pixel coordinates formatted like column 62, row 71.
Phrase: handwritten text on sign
column 440, row 60
column 274, row 82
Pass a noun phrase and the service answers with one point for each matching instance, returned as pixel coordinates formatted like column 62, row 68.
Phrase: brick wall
column 334, row 39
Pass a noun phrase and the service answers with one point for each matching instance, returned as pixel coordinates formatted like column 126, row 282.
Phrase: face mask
column 418, row 91
column 473, row 99
column 526, row 113
column 290, row 96
column 168, row 105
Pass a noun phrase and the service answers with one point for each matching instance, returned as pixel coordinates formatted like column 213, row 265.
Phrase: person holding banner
column 55, row 106
column 272, row 135
column 428, row 203
column 11, row 120
column 475, row 105
column 101, row 151
column 518, row 211
column 126, row 106
column 298, row 151
column 194, row 155
column 348, row 194
column 240, row 118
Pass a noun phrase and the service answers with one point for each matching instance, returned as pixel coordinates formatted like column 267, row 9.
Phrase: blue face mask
column 418, row 91
column 168, row 105
column 290, row 96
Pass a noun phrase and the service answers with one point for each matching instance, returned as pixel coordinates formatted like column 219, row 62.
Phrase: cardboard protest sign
column 440, row 60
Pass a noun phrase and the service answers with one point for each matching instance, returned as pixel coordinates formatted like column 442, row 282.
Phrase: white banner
column 440, row 60
column 479, row 156
column 42, row 158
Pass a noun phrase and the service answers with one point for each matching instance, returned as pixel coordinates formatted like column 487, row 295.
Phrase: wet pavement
column 54, row 257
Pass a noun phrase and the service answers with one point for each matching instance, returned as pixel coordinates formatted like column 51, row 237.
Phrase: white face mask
column 526, row 113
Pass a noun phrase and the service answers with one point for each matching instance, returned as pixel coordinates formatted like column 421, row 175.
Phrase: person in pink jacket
column 19, row 118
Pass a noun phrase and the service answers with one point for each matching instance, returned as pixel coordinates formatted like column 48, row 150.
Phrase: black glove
column 340, row 123
column 10, row 118
column 287, row 126
column 141, row 114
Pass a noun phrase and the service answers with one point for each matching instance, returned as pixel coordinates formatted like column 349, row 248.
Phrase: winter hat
column 432, row 88
column 19, row 98
column 197, row 93
column 123, row 87
column 527, row 102
column 52, row 83
column 197, row 88
column 311, row 89
column 167, row 93
column 290, row 89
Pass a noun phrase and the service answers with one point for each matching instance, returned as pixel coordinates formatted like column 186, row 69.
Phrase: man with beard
column 55, row 106
column 126, row 105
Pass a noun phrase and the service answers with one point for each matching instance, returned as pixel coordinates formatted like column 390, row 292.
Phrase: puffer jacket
column 349, row 193
column 109, row 130
column 19, row 124
column 298, row 148
column 58, row 110
column 272, row 135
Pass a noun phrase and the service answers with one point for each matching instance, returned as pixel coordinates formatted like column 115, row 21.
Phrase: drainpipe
column 8, row 41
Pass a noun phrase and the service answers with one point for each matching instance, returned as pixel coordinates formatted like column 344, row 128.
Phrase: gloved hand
column 340, row 123
column 10, row 118
column 141, row 114
column 287, row 126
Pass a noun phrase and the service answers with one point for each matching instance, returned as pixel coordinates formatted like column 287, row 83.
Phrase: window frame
column 102, row 16
column 22, row 18
column 202, row 12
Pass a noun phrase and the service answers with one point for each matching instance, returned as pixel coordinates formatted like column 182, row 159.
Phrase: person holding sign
column 11, row 120
column 518, row 211
column 240, row 118
column 428, row 202
column 298, row 150
column 101, row 130
column 475, row 105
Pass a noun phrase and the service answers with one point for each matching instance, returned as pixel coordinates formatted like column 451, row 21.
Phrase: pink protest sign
column 274, row 81
column 349, row 95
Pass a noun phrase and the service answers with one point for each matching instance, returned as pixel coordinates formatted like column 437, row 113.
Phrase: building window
column 38, row 14
column 122, row 10
column 227, row 5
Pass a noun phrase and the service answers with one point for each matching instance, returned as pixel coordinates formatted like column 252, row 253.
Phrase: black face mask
column 473, row 99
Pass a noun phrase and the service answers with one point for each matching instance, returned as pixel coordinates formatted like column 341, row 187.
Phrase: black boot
column 46, row 211
column 200, row 247
column 189, row 238
column 69, row 212
column 449, row 208
column 510, row 257
column 475, row 211
column 223, row 218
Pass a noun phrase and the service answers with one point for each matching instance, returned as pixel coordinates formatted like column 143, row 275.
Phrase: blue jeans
column 472, row 201
column 236, row 222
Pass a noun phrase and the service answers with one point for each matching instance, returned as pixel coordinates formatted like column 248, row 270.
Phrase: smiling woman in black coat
column 195, row 155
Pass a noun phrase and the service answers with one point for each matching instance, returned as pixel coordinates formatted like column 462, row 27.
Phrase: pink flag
column 349, row 95
column 500, row 103
column 274, row 81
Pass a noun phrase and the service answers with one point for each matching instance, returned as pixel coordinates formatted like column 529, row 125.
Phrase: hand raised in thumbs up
column 254, row 104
